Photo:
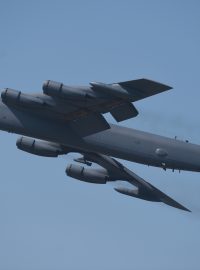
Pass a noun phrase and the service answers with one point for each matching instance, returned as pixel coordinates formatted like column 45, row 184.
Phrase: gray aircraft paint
column 118, row 141
column 70, row 119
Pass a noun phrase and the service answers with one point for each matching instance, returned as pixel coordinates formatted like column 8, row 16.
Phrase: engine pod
column 38, row 147
column 17, row 98
column 87, row 175
column 56, row 89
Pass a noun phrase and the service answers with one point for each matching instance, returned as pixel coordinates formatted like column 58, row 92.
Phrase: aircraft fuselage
column 118, row 141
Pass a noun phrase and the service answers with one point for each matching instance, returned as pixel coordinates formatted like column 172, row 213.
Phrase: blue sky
column 49, row 221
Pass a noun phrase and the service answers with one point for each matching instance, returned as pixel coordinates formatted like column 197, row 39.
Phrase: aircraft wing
column 147, row 191
column 121, row 95
column 116, row 171
column 84, row 107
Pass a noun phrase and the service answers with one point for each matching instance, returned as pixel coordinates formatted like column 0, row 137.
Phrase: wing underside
column 83, row 107
column 117, row 99
column 142, row 189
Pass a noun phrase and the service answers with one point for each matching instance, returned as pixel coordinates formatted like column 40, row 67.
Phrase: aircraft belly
column 141, row 147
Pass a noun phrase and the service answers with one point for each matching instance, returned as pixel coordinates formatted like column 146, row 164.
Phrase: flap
column 90, row 124
column 124, row 112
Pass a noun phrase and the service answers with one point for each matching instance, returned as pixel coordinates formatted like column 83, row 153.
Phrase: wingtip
column 171, row 202
column 181, row 207
column 169, row 87
column 165, row 87
column 186, row 209
column 166, row 200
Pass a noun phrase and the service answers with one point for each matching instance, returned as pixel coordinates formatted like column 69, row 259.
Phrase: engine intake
column 14, row 97
column 38, row 147
column 87, row 175
column 56, row 89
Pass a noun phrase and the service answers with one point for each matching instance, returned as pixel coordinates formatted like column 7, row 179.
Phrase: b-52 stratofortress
column 66, row 119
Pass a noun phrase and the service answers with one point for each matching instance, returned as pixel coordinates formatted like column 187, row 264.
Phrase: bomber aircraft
column 66, row 119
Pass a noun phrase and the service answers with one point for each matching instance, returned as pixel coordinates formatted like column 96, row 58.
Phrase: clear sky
column 49, row 221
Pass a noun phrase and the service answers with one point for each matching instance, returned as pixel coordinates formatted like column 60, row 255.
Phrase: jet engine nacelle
column 14, row 97
column 56, row 89
column 87, row 175
column 38, row 147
